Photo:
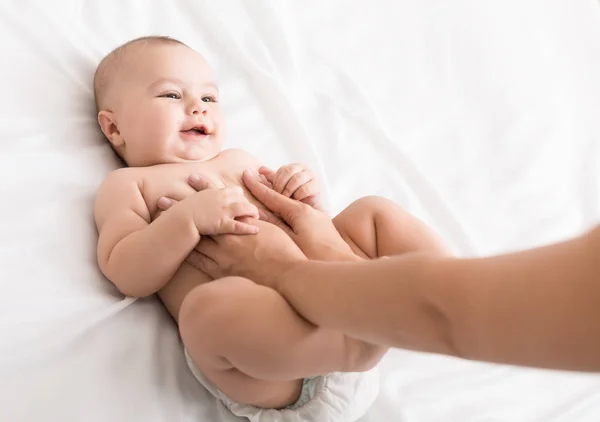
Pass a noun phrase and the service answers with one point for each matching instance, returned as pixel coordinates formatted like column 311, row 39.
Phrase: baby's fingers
column 311, row 188
column 238, row 227
column 243, row 209
column 295, row 182
column 283, row 176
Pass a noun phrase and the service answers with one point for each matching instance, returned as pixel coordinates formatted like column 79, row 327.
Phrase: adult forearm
column 538, row 307
column 143, row 262
column 379, row 301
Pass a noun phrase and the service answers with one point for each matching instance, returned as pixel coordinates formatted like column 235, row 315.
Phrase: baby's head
column 158, row 103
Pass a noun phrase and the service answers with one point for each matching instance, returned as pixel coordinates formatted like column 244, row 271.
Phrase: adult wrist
column 282, row 279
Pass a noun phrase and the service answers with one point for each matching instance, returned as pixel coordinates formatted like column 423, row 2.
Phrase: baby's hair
column 110, row 64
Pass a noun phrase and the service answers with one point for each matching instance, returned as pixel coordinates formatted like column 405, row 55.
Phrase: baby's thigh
column 208, row 317
column 356, row 225
column 228, row 341
column 375, row 227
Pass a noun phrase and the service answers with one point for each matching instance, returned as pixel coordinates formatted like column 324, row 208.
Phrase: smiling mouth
column 200, row 130
column 196, row 133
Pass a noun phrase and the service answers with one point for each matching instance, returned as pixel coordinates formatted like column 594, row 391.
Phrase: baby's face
column 167, row 109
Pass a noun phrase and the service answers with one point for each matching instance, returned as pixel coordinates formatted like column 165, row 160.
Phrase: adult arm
column 539, row 307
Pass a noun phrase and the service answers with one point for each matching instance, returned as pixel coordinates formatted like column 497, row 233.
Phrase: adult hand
column 261, row 258
column 312, row 230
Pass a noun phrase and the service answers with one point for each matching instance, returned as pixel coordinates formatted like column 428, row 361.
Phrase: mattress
column 481, row 118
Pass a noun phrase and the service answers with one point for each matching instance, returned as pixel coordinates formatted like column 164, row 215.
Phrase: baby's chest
column 173, row 183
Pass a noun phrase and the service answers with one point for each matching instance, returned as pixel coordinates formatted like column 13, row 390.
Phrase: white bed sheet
column 481, row 117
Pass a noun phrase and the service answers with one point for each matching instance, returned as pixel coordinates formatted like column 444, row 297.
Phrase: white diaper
column 335, row 397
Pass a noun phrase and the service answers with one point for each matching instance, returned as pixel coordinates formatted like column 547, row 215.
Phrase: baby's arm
column 137, row 255
column 140, row 255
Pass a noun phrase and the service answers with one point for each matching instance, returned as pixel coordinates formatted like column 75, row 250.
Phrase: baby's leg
column 375, row 227
column 251, row 344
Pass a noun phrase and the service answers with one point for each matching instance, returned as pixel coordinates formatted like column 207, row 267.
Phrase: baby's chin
column 203, row 149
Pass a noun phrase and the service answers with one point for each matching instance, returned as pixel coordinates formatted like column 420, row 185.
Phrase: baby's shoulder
column 121, row 176
column 123, row 183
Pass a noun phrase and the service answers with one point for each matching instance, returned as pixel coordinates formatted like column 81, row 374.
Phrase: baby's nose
column 198, row 107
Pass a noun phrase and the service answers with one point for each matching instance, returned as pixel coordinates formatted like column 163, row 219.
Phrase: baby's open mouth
column 200, row 130
column 196, row 133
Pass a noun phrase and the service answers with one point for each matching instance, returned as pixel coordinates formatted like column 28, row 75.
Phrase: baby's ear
column 108, row 124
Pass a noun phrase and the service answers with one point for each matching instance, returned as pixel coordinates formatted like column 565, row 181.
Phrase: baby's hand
column 294, row 181
column 214, row 211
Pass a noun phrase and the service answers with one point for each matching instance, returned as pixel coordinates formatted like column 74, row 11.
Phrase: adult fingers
column 164, row 203
column 200, row 183
column 268, row 174
column 285, row 207
column 207, row 247
column 204, row 264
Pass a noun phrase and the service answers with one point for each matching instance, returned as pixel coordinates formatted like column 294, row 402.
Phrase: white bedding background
column 481, row 117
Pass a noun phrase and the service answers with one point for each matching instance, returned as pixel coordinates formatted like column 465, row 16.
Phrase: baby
column 158, row 106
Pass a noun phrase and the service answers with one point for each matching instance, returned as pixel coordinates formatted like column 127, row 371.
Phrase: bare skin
column 538, row 307
column 244, row 337
column 163, row 117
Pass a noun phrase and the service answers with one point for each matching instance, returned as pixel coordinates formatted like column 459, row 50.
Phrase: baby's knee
column 372, row 205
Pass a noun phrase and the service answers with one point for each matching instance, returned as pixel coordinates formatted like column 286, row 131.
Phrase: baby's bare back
column 171, row 180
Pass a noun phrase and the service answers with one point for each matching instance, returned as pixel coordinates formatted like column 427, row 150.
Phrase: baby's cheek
column 221, row 129
column 160, row 129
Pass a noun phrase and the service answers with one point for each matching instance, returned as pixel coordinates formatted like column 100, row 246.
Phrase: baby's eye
column 209, row 99
column 171, row 95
